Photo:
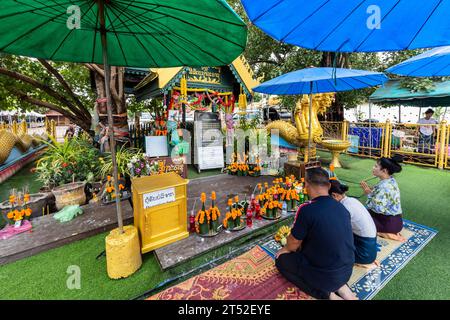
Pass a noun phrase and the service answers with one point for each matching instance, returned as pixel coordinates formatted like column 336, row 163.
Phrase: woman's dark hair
column 392, row 165
column 337, row 187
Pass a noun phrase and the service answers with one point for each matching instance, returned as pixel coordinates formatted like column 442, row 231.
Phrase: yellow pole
column 14, row 127
column 23, row 125
column 387, row 139
column 53, row 128
column 345, row 130
column 442, row 146
column 2, row 126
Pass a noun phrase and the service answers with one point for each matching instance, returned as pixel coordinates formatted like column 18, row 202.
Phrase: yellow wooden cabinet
column 160, row 212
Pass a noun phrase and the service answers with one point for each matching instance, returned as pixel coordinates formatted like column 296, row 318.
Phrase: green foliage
column 123, row 158
column 75, row 74
column 72, row 160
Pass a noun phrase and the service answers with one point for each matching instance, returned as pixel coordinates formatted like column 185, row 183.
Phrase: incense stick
column 369, row 178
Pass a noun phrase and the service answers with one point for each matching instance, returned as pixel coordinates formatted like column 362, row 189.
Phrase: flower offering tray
column 211, row 234
column 278, row 216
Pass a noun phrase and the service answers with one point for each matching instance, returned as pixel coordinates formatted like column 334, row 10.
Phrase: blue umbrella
column 320, row 80
column 433, row 63
column 353, row 25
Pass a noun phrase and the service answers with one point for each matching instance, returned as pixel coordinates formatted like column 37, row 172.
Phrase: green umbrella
column 139, row 33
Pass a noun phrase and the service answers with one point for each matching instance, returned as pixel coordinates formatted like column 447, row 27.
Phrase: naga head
column 321, row 101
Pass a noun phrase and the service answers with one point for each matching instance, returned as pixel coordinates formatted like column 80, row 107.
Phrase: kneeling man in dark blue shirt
column 319, row 254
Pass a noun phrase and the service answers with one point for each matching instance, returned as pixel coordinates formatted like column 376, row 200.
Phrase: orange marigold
column 203, row 197
column 213, row 195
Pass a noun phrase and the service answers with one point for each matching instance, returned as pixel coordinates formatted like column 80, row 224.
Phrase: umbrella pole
column 310, row 123
column 110, row 117
column 370, row 128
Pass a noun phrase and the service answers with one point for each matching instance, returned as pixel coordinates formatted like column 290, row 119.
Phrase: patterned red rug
column 251, row 276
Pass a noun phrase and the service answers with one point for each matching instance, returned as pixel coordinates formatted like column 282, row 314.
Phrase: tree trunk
column 337, row 60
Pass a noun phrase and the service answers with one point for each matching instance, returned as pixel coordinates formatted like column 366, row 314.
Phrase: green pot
column 237, row 222
column 214, row 225
column 231, row 224
column 239, row 173
column 269, row 213
column 203, row 228
column 289, row 205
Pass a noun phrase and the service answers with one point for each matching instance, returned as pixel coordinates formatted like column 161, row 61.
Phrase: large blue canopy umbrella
column 320, row 80
column 433, row 63
column 353, row 25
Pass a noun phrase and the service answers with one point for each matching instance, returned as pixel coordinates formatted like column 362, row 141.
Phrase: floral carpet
column 392, row 255
column 253, row 275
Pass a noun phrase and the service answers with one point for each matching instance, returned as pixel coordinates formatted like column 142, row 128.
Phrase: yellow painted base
column 123, row 252
column 163, row 242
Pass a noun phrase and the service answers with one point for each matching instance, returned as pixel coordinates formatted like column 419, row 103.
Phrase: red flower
column 64, row 165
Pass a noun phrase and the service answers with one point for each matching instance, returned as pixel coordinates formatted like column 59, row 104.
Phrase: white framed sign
column 155, row 198
column 156, row 146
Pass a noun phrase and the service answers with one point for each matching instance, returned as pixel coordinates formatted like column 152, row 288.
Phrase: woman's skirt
column 387, row 224
column 365, row 249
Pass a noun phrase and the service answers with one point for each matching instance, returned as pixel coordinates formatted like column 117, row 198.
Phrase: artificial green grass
column 425, row 197
column 425, row 194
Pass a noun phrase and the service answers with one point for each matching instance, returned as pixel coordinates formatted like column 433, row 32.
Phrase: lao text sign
column 168, row 164
column 159, row 197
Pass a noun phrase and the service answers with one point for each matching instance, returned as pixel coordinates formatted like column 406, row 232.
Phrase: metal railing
column 447, row 148
column 419, row 144
column 367, row 139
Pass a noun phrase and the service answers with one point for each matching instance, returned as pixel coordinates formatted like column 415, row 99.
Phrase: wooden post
column 442, row 145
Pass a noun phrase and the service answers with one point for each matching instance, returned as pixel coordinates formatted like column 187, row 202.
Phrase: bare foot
column 346, row 293
column 334, row 296
column 392, row 236
column 369, row 266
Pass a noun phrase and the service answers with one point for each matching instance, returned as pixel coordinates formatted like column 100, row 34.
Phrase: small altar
column 225, row 186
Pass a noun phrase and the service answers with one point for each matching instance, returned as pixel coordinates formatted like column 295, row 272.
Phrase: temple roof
column 163, row 79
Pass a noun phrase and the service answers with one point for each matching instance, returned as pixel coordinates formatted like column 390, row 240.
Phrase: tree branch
column 43, row 87
column 97, row 69
column 24, row 97
column 64, row 83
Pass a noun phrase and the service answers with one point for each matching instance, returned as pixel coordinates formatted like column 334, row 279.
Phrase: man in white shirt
column 427, row 132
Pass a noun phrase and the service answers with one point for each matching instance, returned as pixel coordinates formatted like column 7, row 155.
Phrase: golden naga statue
column 298, row 135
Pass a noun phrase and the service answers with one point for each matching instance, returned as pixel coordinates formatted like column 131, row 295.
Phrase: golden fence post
column 345, row 130
column 2, row 126
column 23, row 126
column 46, row 126
column 387, row 139
column 14, row 127
column 442, row 146
column 53, row 128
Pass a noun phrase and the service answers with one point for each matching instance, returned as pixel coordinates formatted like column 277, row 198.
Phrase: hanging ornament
column 242, row 101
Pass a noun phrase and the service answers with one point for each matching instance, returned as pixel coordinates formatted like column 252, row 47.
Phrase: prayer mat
column 392, row 255
column 250, row 276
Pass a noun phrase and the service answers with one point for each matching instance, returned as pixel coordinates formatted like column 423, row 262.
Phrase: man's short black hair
column 429, row 111
column 317, row 177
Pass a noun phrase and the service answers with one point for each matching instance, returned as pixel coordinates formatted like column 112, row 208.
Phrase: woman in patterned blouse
column 383, row 200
